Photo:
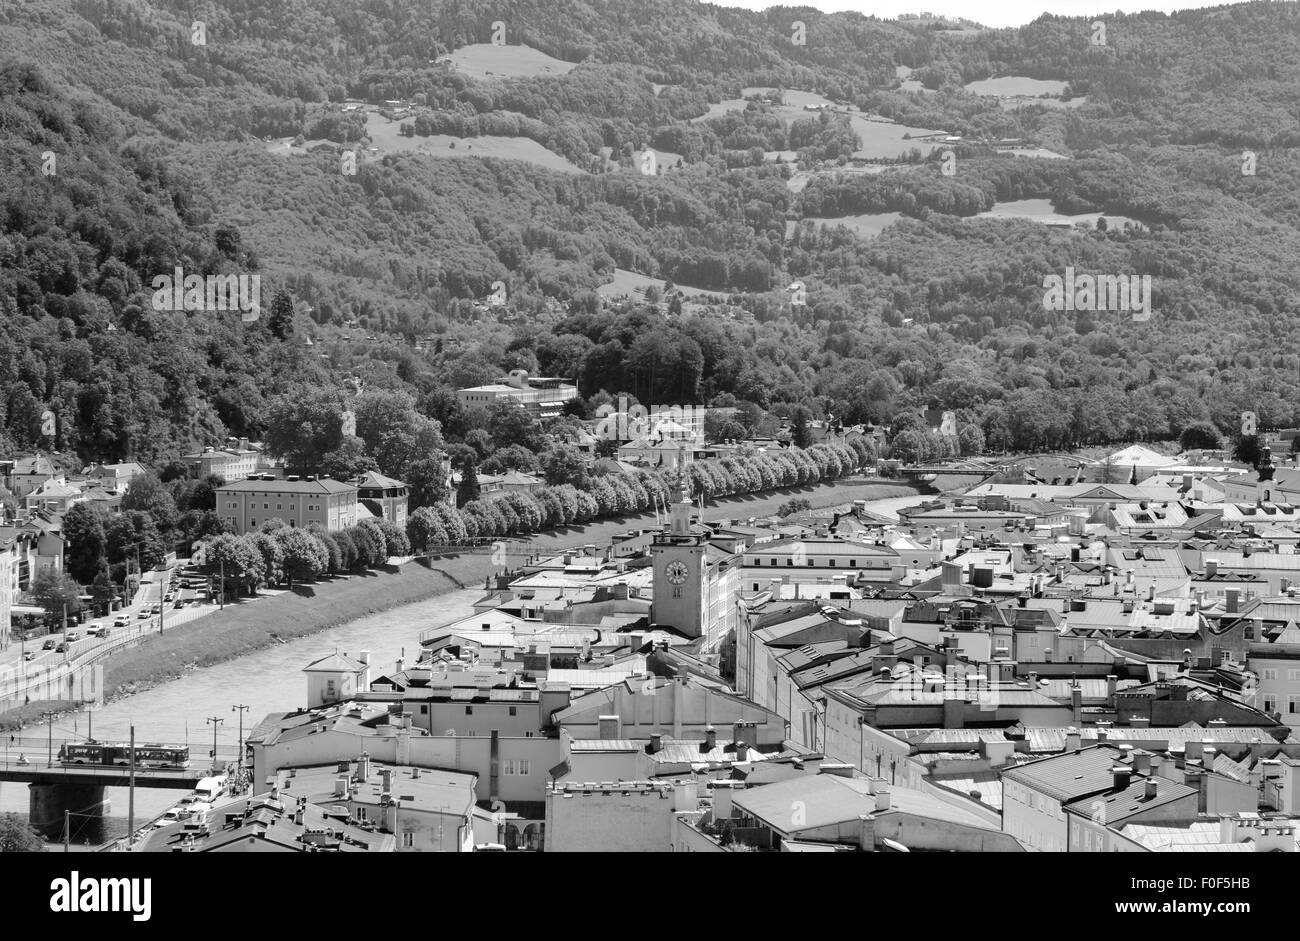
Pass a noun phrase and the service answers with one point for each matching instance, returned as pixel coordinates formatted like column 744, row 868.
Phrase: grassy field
column 630, row 284
column 484, row 60
column 1040, row 210
column 1016, row 85
column 384, row 135
column 866, row 225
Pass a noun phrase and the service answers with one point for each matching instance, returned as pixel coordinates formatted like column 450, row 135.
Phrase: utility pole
column 222, row 586
column 130, row 801
column 241, row 709
column 67, row 824
column 50, row 754
column 214, row 721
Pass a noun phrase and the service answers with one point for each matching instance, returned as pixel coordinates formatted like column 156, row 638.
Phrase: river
column 269, row 680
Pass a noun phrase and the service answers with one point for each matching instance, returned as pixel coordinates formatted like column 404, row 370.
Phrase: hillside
column 161, row 160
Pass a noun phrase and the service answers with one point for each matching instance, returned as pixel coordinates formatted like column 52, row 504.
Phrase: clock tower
column 680, row 592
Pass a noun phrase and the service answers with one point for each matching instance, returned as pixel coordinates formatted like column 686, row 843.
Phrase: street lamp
column 214, row 721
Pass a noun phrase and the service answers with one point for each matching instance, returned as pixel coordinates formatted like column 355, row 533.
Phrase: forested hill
column 128, row 149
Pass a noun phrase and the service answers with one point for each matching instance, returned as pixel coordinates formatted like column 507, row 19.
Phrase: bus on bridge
column 150, row 755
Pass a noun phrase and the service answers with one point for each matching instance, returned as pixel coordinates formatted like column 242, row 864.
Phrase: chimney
column 742, row 751
column 710, row 738
column 1033, row 679
column 656, row 742
column 387, row 776
column 722, row 794
column 340, row 787
column 610, row 727
column 1286, row 584
column 1120, row 775
column 363, row 767
column 882, row 800
column 1211, row 568
column 1142, row 762
column 1112, row 684
column 1139, row 722
column 1232, row 595
column 1072, row 739
column 1076, row 703
column 1152, row 787
column 1193, row 751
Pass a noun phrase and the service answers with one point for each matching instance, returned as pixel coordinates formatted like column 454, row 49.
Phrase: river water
column 269, row 680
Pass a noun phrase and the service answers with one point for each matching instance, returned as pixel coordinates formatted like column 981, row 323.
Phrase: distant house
column 55, row 495
column 238, row 460
column 384, row 497
column 29, row 473
column 299, row 501
column 114, row 478
column 545, row 396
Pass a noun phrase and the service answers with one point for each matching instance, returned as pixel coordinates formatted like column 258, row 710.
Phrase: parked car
column 180, row 603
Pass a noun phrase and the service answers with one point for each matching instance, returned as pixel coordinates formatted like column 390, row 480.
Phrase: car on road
column 121, row 621
column 29, row 655
column 62, row 648
column 144, row 614
column 50, row 644
column 180, row 603
column 96, row 629
column 72, row 636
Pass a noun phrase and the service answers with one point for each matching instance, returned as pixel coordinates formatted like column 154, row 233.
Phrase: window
column 512, row 710
column 1270, row 704
column 771, row 561
column 469, row 710
column 266, row 506
column 1270, row 675
column 523, row 765
column 831, row 564
column 853, row 563
column 361, row 814
column 408, row 839
column 508, row 766
column 677, row 592
column 279, row 506
column 789, row 561
column 1293, row 705
column 424, row 710
column 252, row 522
column 1293, row 676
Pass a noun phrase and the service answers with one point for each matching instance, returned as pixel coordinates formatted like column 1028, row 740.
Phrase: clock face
column 676, row 572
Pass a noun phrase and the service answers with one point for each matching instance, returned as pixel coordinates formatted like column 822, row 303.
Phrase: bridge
column 54, row 787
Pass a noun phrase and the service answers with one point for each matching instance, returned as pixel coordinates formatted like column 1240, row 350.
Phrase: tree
column 468, row 489
column 790, row 507
column 303, row 556
column 56, row 592
column 102, row 590
column 1247, row 450
column 83, row 528
column 16, row 836
column 800, row 434
column 395, row 541
column 238, row 558
column 424, row 529
column 1200, row 435
column 564, row 465
column 280, row 319
column 427, row 482
column 305, row 425
column 147, row 494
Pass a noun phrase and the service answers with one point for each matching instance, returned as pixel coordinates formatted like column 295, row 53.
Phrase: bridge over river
column 54, row 787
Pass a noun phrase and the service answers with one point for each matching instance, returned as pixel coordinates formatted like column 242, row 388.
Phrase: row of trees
column 615, row 494
column 280, row 554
